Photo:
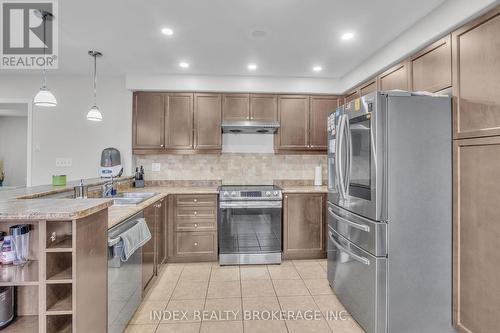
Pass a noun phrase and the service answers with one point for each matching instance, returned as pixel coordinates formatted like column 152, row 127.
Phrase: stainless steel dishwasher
column 124, row 278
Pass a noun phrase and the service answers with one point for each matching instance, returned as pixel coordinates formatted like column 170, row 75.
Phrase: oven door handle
column 250, row 204
column 352, row 224
column 361, row 259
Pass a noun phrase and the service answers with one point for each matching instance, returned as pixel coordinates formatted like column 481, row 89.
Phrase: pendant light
column 94, row 114
column 45, row 97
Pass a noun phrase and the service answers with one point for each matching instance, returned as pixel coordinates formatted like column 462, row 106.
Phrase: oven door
column 249, row 228
column 360, row 158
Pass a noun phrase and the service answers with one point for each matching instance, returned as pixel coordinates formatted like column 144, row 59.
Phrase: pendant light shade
column 45, row 98
column 94, row 113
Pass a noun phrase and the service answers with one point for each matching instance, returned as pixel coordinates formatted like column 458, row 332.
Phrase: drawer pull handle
column 195, row 213
column 195, row 243
column 360, row 259
column 352, row 224
column 195, row 225
column 195, row 200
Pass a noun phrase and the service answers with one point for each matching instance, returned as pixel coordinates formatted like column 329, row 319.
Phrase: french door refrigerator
column 389, row 211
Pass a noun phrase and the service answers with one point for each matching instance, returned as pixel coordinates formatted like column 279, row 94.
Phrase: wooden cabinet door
column 149, row 120
column 319, row 109
column 207, row 121
column 162, row 218
column 293, row 114
column 430, row 69
column 351, row 96
column 179, row 122
column 476, row 77
column 235, row 107
column 149, row 249
column 395, row 78
column 368, row 87
column 304, row 226
column 263, row 107
column 476, row 234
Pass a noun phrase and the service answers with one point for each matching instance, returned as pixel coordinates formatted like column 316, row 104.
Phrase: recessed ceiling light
column 317, row 68
column 167, row 31
column 183, row 64
column 252, row 67
column 348, row 36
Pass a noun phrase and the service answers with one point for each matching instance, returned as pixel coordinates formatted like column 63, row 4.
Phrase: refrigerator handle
column 348, row 155
column 362, row 260
column 340, row 175
column 352, row 224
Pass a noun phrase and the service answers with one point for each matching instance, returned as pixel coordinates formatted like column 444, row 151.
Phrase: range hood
column 262, row 127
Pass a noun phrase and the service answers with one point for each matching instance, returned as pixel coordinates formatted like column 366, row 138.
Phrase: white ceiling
column 214, row 36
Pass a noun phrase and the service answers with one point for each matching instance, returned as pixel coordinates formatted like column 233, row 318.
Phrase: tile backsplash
column 233, row 168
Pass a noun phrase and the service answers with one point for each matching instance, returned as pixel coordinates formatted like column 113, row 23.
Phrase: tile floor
column 297, row 285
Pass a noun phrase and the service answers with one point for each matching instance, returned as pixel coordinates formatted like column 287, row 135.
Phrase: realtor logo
column 25, row 37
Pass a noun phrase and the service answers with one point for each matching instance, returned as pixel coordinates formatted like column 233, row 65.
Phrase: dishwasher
column 124, row 278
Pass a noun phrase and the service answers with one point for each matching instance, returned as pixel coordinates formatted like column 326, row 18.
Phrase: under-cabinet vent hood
column 262, row 127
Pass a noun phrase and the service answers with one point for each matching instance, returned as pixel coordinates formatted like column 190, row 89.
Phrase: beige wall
column 233, row 168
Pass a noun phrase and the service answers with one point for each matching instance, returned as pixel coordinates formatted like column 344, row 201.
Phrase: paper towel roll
column 318, row 176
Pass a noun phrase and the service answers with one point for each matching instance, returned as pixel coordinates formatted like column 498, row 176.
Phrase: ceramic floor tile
column 324, row 265
column 161, row 291
column 186, row 289
column 225, row 274
column 310, row 270
column 260, row 304
column 298, row 303
column 254, row 273
column 141, row 328
column 283, row 272
column 318, row 287
column 264, row 326
column 196, row 273
column 223, row 289
column 308, row 326
column 224, row 308
column 171, row 273
column 328, row 303
column 257, row 288
column 179, row 328
column 183, row 311
column 144, row 313
column 290, row 288
column 345, row 326
column 221, row 326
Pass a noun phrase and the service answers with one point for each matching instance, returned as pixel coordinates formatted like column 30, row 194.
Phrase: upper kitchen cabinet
column 319, row 109
column 368, row 87
column 430, row 69
column 395, row 77
column 263, row 107
column 207, row 122
column 476, row 77
column 293, row 115
column 148, row 121
column 236, row 107
column 351, row 95
column 179, row 121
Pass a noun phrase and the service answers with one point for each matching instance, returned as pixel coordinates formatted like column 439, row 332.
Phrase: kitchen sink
column 131, row 198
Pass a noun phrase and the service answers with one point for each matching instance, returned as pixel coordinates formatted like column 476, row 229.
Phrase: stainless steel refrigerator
column 390, row 211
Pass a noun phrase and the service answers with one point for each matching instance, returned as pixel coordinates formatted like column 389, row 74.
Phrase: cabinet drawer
column 196, row 212
column 196, row 200
column 195, row 243
column 189, row 225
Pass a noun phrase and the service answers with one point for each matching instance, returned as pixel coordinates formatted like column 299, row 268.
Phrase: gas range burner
column 249, row 192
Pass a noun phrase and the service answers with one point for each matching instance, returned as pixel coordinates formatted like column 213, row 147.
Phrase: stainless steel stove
column 250, row 224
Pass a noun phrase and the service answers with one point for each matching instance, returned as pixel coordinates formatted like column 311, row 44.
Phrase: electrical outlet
column 155, row 167
column 64, row 162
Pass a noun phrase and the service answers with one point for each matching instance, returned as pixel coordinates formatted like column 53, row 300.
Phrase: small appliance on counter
column 7, row 306
column 111, row 163
column 139, row 177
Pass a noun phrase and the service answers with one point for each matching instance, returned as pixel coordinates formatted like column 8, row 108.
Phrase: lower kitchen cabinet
column 476, row 231
column 161, row 236
column 304, row 226
column 154, row 252
column 193, row 228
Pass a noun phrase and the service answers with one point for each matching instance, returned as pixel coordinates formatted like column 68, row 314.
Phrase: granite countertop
column 304, row 189
column 117, row 214
column 51, row 209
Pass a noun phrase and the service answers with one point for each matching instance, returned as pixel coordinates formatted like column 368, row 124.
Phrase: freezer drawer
column 359, row 281
column 369, row 235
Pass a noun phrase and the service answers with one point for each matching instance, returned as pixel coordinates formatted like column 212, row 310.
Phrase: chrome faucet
column 107, row 188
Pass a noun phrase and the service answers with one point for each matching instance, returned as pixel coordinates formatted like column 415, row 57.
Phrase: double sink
column 130, row 198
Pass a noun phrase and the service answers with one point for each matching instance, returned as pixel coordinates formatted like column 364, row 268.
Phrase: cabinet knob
column 195, row 213
column 195, row 200
column 286, row 196
column 195, row 225
column 195, row 243
column 162, row 146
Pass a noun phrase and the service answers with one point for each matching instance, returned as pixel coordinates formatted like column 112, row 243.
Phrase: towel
column 134, row 238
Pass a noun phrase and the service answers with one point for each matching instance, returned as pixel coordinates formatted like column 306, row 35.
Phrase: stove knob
column 275, row 193
column 268, row 193
column 233, row 193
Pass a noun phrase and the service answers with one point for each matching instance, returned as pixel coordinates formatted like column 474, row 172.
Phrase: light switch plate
column 155, row 167
column 64, row 162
